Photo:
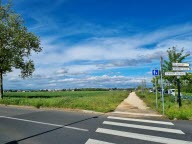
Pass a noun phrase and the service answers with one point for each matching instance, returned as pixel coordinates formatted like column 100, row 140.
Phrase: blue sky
column 101, row 43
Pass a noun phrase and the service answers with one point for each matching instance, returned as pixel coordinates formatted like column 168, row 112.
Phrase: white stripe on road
column 140, row 120
column 142, row 137
column 92, row 141
column 75, row 128
column 137, row 114
column 31, row 121
column 144, row 127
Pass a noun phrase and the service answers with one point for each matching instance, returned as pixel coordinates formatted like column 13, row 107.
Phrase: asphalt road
column 31, row 126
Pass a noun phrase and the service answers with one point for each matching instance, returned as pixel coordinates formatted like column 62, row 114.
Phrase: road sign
column 155, row 72
column 175, row 73
column 180, row 64
column 180, row 68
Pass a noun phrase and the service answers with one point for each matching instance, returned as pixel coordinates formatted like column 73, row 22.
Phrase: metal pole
column 156, row 91
column 162, row 96
column 179, row 94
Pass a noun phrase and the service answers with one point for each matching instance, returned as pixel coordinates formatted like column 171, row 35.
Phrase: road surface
column 33, row 126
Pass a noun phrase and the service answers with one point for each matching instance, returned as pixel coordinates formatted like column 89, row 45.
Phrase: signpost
column 180, row 64
column 175, row 73
column 162, row 90
column 179, row 67
column 155, row 73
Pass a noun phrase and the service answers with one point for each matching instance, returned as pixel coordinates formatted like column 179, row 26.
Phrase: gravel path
column 135, row 101
column 134, row 106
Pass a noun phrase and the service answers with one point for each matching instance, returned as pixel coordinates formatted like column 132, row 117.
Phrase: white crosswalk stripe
column 126, row 133
column 93, row 141
column 142, row 136
column 138, row 114
column 144, row 127
column 140, row 120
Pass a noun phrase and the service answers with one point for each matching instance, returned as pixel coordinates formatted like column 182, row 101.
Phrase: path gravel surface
column 133, row 106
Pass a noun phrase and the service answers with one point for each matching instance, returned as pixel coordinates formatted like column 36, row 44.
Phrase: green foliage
column 173, row 56
column 172, row 109
column 101, row 101
column 16, row 44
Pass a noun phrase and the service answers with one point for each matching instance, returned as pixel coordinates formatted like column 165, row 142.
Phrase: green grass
column 101, row 101
column 186, row 94
column 172, row 109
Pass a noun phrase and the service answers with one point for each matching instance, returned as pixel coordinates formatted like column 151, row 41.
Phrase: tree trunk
column 1, row 85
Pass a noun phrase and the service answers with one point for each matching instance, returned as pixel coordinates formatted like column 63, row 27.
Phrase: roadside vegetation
column 100, row 101
column 172, row 109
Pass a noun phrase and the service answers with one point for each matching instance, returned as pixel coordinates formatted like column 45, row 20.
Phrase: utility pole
column 162, row 91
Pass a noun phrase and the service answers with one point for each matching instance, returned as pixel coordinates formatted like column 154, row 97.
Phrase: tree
column 16, row 44
column 173, row 57
column 186, row 82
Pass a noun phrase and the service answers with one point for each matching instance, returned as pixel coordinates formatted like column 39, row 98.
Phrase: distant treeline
column 76, row 89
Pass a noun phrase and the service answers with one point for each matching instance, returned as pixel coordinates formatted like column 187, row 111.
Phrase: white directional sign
column 175, row 73
column 180, row 68
column 180, row 64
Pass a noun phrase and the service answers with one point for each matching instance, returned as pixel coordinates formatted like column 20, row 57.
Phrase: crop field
column 101, row 101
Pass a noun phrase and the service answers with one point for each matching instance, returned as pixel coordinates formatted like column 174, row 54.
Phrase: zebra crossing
column 132, row 129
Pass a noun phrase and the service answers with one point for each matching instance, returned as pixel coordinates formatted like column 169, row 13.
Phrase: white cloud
column 130, row 48
column 108, row 52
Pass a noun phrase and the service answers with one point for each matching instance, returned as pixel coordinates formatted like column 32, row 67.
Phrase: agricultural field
column 172, row 109
column 101, row 101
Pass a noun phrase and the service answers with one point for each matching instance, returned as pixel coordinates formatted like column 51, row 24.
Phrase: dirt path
column 135, row 107
column 135, row 101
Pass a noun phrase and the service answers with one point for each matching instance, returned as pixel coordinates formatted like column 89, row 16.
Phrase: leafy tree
column 186, row 82
column 173, row 57
column 16, row 44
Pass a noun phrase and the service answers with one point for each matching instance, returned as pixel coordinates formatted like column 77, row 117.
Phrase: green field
column 101, row 101
column 172, row 109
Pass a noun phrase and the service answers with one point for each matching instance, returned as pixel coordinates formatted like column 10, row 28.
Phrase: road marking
column 144, row 127
column 138, row 114
column 31, row 121
column 92, row 141
column 142, row 137
column 75, row 128
column 140, row 120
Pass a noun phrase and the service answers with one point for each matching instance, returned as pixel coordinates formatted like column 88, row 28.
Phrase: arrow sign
column 180, row 64
column 175, row 73
column 180, row 68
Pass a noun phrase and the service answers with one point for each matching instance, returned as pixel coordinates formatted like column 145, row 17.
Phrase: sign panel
column 180, row 68
column 180, row 64
column 155, row 72
column 175, row 73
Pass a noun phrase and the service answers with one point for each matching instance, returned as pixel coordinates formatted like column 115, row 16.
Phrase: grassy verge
column 101, row 101
column 172, row 109
column 186, row 94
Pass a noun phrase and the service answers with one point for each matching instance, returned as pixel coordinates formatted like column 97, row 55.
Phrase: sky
column 101, row 43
